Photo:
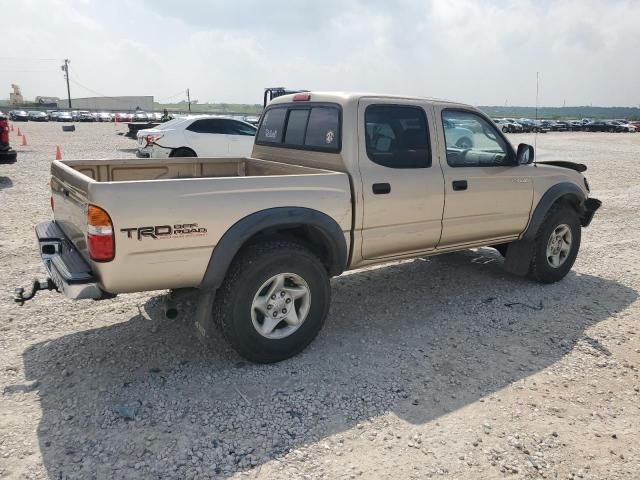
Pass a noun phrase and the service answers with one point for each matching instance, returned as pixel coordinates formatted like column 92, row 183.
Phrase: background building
column 15, row 97
column 110, row 103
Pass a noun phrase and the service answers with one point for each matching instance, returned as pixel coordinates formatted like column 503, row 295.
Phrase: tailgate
column 69, row 190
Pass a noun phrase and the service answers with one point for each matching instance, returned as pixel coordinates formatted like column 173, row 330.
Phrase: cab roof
column 343, row 98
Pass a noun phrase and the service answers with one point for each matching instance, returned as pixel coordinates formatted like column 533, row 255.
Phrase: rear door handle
column 381, row 188
column 459, row 185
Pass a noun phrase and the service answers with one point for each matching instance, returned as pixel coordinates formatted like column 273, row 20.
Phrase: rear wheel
column 182, row 152
column 273, row 301
column 556, row 245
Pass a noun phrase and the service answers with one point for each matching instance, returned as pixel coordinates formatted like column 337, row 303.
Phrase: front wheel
column 556, row 245
column 273, row 302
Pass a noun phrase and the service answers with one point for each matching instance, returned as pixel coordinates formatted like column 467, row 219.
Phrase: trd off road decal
column 159, row 232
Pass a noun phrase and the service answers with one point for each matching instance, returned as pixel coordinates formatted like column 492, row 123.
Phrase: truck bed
column 173, row 168
column 208, row 194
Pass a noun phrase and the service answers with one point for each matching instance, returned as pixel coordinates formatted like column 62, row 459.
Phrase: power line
column 25, row 71
column 33, row 59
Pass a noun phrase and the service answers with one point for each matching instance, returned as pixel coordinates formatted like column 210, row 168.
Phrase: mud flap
column 203, row 316
column 519, row 256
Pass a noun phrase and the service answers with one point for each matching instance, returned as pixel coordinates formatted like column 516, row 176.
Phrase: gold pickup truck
column 336, row 181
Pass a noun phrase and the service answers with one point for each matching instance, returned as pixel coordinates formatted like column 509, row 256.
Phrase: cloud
column 484, row 52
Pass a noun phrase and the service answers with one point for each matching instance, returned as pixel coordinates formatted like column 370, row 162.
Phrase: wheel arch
column 312, row 228
column 520, row 252
column 564, row 192
column 173, row 150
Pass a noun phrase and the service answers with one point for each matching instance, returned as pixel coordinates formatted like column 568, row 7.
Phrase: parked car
column 575, row 125
column 508, row 127
column 516, row 126
column 85, row 116
column 103, row 117
column 201, row 136
column 625, row 126
column 64, row 117
column 18, row 116
column 36, row 116
column 527, row 125
column 140, row 117
column 121, row 117
column 53, row 115
column 257, row 239
column 457, row 136
column 636, row 124
column 560, row 126
column 539, row 126
column 7, row 154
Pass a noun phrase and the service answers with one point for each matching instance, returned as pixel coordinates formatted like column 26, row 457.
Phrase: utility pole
column 65, row 69
column 189, row 100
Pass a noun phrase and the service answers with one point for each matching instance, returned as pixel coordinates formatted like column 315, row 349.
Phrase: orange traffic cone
column 58, row 153
column 24, row 140
column 19, row 132
column 12, row 127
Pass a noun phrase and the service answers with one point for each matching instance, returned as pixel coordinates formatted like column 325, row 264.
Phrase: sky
column 481, row 52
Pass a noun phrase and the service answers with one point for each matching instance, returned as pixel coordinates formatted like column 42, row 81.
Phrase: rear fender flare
column 330, row 235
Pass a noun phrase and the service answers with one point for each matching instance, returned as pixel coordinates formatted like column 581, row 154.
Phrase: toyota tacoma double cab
column 335, row 182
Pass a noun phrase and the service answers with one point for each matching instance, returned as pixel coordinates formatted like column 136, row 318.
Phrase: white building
column 126, row 103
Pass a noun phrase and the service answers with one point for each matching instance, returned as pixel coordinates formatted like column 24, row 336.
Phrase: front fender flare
column 520, row 252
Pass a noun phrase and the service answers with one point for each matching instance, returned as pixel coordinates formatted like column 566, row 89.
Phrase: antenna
column 535, row 135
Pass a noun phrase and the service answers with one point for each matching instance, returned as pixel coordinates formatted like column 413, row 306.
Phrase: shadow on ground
column 5, row 182
column 418, row 339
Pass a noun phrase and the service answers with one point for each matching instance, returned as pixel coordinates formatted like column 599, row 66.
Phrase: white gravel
column 422, row 371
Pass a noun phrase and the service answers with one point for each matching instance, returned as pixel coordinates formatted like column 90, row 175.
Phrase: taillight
column 151, row 139
column 51, row 198
column 100, row 240
column 302, row 97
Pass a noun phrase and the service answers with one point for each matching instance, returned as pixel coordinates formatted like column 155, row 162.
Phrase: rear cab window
column 312, row 126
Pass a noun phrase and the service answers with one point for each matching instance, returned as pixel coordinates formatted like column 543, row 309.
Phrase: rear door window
column 239, row 128
column 313, row 127
column 397, row 136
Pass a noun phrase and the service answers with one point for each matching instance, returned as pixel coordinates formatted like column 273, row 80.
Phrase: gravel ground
column 443, row 367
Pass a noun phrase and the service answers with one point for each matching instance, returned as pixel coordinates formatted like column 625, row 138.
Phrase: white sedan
column 198, row 136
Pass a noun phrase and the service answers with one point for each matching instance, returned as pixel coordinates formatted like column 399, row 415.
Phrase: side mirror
column 525, row 154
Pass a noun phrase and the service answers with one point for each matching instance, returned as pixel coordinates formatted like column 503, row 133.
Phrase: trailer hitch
column 38, row 285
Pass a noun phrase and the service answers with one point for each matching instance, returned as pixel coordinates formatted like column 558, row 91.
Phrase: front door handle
column 381, row 188
column 459, row 185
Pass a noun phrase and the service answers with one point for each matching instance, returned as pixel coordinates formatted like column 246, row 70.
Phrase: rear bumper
column 66, row 267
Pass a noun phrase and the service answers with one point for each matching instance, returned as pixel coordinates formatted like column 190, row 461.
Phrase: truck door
column 403, row 191
column 487, row 195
